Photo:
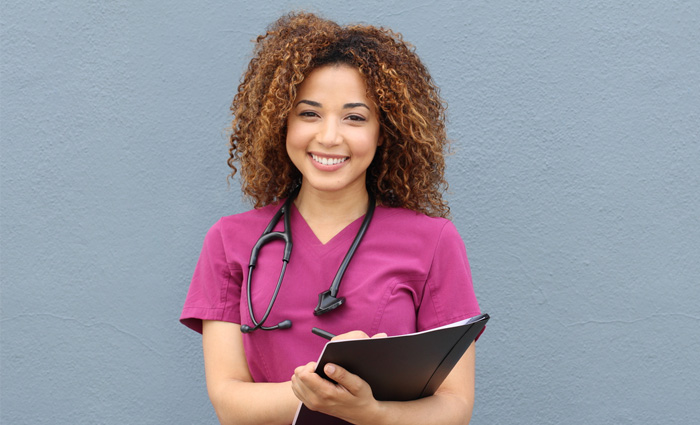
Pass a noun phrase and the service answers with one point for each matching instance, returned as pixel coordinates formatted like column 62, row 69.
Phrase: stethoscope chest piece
column 327, row 302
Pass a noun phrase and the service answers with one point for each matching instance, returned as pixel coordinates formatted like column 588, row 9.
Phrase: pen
column 322, row 333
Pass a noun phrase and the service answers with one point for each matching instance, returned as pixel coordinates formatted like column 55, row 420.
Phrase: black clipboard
column 398, row 368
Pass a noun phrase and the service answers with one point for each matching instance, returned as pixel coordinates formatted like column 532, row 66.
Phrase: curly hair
column 408, row 168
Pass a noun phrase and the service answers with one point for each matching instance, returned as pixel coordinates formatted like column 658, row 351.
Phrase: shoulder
column 249, row 220
column 413, row 228
column 404, row 220
column 238, row 229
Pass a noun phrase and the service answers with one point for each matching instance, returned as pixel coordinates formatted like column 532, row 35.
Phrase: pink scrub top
column 410, row 273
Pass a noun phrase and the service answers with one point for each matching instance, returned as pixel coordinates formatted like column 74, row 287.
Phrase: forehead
column 334, row 81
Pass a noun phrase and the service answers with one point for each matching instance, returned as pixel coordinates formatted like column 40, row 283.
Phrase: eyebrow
column 346, row 106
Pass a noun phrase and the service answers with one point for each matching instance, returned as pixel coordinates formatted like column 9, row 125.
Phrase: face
column 333, row 130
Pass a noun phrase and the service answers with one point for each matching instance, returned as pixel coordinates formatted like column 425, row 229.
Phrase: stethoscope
column 327, row 300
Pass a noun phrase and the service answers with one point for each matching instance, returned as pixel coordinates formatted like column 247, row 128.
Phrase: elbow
column 462, row 415
column 217, row 397
column 467, row 409
column 467, row 418
column 462, row 410
column 466, row 406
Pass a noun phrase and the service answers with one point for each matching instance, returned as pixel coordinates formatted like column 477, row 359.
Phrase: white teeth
column 328, row 161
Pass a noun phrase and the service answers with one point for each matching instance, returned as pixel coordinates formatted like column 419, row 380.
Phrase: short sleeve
column 214, row 292
column 449, row 294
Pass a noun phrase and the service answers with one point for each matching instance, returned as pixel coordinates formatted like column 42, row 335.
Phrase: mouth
column 324, row 160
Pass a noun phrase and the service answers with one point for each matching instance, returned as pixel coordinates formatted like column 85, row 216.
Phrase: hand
column 357, row 335
column 350, row 398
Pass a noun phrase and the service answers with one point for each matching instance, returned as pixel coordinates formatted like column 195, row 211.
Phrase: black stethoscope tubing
column 327, row 300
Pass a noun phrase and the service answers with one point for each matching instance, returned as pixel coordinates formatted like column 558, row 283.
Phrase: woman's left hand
column 350, row 398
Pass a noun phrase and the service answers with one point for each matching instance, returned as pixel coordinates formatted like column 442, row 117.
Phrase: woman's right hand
column 349, row 398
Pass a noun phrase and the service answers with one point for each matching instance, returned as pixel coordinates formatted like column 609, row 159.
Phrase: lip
column 333, row 164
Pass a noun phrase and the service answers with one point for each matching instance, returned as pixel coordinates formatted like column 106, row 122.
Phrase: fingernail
column 330, row 369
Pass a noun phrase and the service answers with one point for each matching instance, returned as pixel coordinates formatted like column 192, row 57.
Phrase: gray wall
column 575, row 184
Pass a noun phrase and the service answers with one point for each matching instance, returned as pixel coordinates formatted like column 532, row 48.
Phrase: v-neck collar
column 302, row 233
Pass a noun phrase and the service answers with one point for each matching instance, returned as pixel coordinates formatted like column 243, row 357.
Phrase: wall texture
column 575, row 183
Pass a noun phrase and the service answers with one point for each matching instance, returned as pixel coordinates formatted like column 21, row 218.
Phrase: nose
column 329, row 133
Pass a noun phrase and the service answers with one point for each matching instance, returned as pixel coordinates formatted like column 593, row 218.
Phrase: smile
column 328, row 161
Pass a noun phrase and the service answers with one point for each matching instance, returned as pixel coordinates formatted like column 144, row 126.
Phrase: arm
column 352, row 398
column 234, row 395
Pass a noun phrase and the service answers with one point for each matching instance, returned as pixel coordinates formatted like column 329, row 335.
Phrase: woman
column 330, row 120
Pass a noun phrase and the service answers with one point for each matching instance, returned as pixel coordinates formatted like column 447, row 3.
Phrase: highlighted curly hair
column 408, row 168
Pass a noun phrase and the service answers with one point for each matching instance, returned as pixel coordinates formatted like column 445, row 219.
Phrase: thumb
column 342, row 377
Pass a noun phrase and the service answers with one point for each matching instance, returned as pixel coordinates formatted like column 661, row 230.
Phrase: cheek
column 370, row 144
column 292, row 139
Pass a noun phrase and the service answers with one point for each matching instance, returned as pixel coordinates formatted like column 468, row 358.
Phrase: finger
column 306, row 377
column 305, row 382
column 350, row 335
column 380, row 335
column 302, row 374
column 352, row 383
column 309, row 367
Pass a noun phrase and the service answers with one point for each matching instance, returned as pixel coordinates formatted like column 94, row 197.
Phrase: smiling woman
column 330, row 121
column 333, row 133
column 408, row 169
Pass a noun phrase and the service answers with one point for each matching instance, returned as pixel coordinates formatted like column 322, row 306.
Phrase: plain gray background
column 575, row 183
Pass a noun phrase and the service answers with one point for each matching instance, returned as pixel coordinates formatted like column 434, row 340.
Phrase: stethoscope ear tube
column 285, row 324
column 327, row 300
column 267, row 236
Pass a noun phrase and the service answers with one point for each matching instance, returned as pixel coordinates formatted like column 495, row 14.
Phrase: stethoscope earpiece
column 285, row 324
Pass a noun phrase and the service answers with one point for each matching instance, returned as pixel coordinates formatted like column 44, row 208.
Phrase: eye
column 358, row 118
column 308, row 114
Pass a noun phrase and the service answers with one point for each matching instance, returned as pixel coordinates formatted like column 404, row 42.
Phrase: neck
column 331, row 206
column 327, row 213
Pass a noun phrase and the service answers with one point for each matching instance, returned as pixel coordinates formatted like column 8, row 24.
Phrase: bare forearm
column 351, row 399
column 442, row 408
column 238, row 402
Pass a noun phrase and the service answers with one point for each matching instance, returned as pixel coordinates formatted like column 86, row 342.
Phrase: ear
column 380, row 138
